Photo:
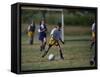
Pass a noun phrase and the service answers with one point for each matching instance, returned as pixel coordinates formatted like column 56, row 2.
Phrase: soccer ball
column 51, row 57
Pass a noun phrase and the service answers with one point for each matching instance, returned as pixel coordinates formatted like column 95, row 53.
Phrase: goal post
column 62, row 22
column 50, row 9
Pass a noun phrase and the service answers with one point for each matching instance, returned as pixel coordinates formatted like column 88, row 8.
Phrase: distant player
column 55, row 39
column 42, row 35
column 93, row 35
column 31, row 31
column 92, row 61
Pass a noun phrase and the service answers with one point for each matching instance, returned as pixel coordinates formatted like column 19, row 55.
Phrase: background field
column 77, row 36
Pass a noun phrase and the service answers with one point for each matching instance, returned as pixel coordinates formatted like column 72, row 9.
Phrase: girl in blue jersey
column 42, row 35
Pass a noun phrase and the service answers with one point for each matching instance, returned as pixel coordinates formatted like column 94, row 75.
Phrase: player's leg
column 60, row 50
column 31, row 39
column 41, row 46
column 51, row 43
column 44, row 42
column 93, row 59
column 92, row 44
column 93, row 40
column 41, row 38
column 45, row 53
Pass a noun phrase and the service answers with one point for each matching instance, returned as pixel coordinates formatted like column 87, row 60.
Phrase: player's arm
column 41, row 30
column 44, row 29
column 28, row 28
column 52, row 32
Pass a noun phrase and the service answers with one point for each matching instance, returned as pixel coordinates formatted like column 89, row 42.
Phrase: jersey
column 93, row 27
column 55, row 37
column 31, row 28
column 42, row 32
column 56, row 34
column 93, row 30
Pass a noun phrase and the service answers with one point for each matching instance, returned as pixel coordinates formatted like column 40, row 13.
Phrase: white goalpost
column 50, row 9
column 62, row 21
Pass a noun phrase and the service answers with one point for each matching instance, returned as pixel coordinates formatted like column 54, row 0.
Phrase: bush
column 71, row 18
column 77, row 20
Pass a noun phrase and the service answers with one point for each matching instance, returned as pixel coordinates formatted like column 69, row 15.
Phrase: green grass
column 76, row 54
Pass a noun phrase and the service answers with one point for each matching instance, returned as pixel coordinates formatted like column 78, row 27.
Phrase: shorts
column 93, row 34
column 30, row 33
column 53, row 42
column 42, row 36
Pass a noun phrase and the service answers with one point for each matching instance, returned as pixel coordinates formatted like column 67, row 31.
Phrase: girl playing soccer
column 42, row 35
column 54, row 40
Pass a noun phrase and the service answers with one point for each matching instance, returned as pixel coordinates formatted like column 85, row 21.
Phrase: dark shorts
column 42, row 35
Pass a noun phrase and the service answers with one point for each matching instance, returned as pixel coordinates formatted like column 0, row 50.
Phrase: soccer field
column 76, row 51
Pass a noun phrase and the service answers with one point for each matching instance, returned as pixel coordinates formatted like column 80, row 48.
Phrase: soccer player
column 31, row 31
column 42, row 35
column 93, row 35
column 54, row 40
column 92, row 61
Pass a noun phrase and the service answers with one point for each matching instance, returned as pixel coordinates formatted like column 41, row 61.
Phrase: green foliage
column 71, row 17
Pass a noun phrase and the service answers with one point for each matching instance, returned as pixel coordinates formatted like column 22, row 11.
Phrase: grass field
column 76, row 51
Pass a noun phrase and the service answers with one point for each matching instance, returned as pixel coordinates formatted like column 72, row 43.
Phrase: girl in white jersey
column 93, row 59
column 93, row 35
column 54, row 40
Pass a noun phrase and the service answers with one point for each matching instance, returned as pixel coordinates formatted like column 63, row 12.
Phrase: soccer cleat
column 91, row 62
column 43, row 55
column 61, row 56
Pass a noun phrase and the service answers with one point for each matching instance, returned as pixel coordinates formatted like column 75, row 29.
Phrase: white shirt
column 42, row 26
column 29, row 27
column 93, row 27
column 55, row 33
